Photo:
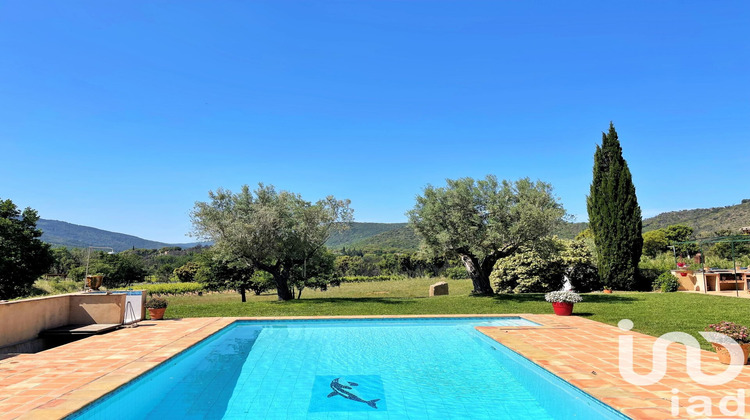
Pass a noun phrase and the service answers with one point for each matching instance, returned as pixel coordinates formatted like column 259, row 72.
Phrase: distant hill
column 400, row 239
column 359, row 231
column 67, row 234
column 570, row 230
column 397, row 236
column 704, row 221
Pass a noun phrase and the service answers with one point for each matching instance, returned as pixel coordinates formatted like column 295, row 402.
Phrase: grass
column 55, row 287
column 651, row 313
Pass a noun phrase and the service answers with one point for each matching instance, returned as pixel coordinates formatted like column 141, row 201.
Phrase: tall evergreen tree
column 614, row 215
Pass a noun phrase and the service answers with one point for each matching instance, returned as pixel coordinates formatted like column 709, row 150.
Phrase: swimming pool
column 427, row 368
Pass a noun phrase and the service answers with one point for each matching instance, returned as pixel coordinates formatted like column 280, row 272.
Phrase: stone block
column 439, row 289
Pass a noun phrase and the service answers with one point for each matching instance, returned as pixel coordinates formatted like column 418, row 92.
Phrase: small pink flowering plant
column 736, row 332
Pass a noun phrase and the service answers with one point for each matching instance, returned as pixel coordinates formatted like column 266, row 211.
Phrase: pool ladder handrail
column 129, row 311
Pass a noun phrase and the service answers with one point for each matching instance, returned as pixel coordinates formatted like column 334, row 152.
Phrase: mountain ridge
column 397, row 236
column 705, row 222
column 60, row 233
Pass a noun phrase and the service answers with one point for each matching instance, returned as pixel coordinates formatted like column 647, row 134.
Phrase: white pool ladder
column 130, row 314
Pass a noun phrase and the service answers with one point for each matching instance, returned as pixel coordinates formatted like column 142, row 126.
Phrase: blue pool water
column 350, row 369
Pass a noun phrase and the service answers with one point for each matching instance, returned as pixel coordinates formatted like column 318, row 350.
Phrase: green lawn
column 652, row 313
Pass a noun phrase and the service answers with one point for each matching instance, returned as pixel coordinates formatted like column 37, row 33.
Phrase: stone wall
column 23, row 320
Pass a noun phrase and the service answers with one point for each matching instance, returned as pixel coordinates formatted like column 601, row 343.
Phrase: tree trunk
column 479, row 278
column 282, row 287
column 242, row 292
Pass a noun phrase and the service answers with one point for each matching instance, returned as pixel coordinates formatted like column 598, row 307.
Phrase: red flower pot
column 683, row 273
column 680, row 264
column 156, row 313
column 562, row 308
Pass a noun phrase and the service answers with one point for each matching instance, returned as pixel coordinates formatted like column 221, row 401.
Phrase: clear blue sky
column 120, row 115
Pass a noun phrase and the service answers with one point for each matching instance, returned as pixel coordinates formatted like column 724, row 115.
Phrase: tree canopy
column 484, row 220
column 218, row 273
column 657, row 241
column 276, row 232
column 23, row 257
column 119, row 270
column 614, row 215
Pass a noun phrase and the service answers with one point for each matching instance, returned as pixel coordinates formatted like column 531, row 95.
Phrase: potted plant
column 607, row 289
column 731, row 332
column 562, row 301
column 156, row 307
column 94, row 281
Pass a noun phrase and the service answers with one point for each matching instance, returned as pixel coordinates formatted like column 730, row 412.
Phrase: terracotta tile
column 55, row 383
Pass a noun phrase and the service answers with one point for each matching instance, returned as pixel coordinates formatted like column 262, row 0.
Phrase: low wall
column 23, row 320
column 689, row 282
column 96, row 309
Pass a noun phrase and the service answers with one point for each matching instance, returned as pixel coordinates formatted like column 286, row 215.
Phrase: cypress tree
column 614, row 216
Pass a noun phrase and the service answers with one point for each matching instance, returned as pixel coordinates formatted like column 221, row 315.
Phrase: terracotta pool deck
column 57, row 382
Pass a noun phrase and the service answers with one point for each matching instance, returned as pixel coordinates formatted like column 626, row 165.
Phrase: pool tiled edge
column 57, row 382
column 585, row 353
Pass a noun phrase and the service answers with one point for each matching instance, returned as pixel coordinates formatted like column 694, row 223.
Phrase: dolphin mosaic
column 344, row 388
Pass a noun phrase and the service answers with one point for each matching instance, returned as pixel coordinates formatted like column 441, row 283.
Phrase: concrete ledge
column 21, row 321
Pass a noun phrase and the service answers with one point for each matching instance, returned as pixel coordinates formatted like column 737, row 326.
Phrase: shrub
column 670, row 285
column 365, row 279
column 651, row 276
column 64, row 286
column 170, row 288
column 56, row 287
column 186, row 273
column 261, row 282
column 528, row 272
column 531, row 270
column 77, row 273
column 156, row 303
column 661, row 262
column 581, row 270
column 544, row 268
column 456, row 273
column 666, row 282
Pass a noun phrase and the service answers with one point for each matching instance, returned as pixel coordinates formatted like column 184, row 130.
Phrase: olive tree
column 276, row 232
column 218, row 273
column 484, row 220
